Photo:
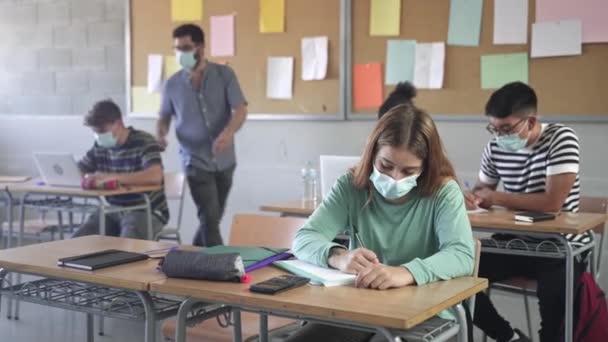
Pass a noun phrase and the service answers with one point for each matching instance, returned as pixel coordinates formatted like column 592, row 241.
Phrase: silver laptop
column 58, row 169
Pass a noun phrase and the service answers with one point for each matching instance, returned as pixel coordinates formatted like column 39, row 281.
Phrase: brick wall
column 57, row 57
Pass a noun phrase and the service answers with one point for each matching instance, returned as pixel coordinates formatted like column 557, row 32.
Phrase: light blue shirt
column 201, row 116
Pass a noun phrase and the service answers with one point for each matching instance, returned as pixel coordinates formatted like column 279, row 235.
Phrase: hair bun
column 405, row 90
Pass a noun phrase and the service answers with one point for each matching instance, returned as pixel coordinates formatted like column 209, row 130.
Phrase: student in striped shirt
column 132, row 157
column 538, row 166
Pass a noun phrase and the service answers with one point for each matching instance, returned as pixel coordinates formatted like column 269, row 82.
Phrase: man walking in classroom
column 209, row 107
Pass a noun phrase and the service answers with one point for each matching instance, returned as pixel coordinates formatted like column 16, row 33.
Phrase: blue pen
column 152, row 251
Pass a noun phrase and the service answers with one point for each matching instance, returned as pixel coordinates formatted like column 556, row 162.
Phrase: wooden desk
column 134, row 279
column 564, row 223
column 400, row 309
column 33, row 188
column 292, row 208
column 502, row 221
column 41, row 259
column 13, row 179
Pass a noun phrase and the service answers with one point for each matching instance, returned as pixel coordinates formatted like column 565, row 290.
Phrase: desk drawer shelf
column 87, row 298
column 549, row 248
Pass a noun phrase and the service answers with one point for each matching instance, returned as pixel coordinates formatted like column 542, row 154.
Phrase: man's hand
column 223, row 141
column 162, row 141
column 102, row 177
column 353, row 261
column 382, row 277
column 486, row 197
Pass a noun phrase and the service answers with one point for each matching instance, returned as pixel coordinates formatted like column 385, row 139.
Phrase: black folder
column 103, row 259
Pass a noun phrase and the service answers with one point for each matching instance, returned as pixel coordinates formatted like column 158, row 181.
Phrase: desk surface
column 32, row 186
column 41, row 259
column 566, row 223
column 13, row 179
column 292, row 207
column 398, row 308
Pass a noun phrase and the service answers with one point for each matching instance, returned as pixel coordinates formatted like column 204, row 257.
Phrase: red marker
column 246, row 279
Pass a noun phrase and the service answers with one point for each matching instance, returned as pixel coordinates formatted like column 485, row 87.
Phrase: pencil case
column 196, row 265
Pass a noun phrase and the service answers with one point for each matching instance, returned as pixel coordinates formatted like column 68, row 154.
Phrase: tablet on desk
column 103, row 259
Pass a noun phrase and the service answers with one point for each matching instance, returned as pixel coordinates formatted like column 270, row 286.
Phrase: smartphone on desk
column 279, row 284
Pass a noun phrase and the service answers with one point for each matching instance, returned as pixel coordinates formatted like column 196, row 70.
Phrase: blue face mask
column 390, row 188
column 187, row 60
column 511, row 142
column 106, row 140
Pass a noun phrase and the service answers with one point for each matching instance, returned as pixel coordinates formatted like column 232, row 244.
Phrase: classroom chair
column 34, row 228
column 527, row 287
column 247, row 230
column 175, row 189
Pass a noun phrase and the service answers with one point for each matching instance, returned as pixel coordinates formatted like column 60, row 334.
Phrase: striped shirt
column 526, row 171
column 138, row 153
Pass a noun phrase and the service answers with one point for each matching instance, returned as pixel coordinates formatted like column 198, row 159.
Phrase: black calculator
column 279, row 284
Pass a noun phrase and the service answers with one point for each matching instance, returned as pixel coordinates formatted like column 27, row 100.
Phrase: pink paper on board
column 222, row 36
column 592, row 14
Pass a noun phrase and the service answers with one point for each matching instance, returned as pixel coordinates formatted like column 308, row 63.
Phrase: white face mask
column 186, row 60
column 106, row 140
column 390, row 188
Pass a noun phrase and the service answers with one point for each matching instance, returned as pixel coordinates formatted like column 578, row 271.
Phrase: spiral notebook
column 318, row 275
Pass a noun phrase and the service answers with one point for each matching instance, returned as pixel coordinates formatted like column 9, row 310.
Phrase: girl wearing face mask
column 405, row 210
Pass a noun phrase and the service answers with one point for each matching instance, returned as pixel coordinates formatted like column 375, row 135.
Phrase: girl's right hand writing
column 353, row 261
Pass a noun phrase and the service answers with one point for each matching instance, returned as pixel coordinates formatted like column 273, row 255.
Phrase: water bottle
column 312, row 173
column 307, row 194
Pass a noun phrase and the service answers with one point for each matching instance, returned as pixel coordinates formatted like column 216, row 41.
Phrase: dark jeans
column 209, row 191
column 550, row 275
column 327, row 333
column 132, row 224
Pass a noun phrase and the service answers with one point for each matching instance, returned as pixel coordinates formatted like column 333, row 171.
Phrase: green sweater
column 431, row 236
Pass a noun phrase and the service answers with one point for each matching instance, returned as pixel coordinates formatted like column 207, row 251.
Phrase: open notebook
column 319, row 275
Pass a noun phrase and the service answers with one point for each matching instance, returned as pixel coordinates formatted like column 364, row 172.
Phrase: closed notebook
column 103, row 259
column 253, row 257
column 532, row 216
column 317, row 274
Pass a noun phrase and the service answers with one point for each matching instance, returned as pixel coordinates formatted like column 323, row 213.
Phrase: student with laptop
column 538, row 166
column 406, row 213
column 131, row 157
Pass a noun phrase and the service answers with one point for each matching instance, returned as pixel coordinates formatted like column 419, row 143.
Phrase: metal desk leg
column 149, row 216
column 182, row 315
column 71, row 221
column 60, row 223
column 102, row 217
column 19, row 244
column 263, row 327
column 3, row 275
column 90, row 328
column 237, row 335
column 461, row 319
column 150, row 329
column 101, row 323
column 9, row 238
column 569, row 288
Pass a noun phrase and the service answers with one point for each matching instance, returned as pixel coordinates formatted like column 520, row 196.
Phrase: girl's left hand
column 383, row 277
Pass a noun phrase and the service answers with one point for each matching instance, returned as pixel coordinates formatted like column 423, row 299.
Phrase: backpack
column 590, row 312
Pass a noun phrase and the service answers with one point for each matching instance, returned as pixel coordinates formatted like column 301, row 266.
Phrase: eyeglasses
column 510, row 130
